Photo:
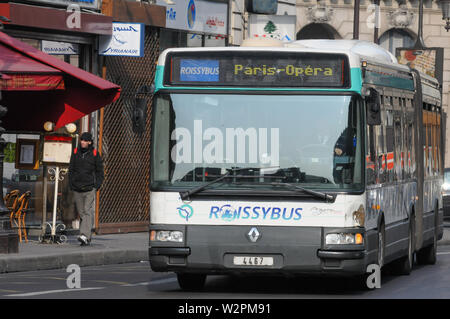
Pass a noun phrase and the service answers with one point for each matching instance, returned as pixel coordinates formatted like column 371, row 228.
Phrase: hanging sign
column 59, row 48
column 127, row 40
column 196, row 15
column 272, row 27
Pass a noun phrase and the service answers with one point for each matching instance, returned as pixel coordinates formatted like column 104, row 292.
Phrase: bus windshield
column 313, row 141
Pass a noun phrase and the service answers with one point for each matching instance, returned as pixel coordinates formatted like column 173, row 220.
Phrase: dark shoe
column 84, row 241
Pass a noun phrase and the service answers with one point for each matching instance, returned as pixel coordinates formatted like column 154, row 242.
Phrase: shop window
column 194, row 40
column 21, row 172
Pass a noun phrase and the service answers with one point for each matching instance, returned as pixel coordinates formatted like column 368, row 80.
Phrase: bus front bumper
column 292, row 250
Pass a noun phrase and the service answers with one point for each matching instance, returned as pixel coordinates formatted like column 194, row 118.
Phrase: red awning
column 37, row 87
column 21, row 73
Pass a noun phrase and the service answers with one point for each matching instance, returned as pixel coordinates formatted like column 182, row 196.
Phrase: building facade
column 70, row 34
column 124, row 199
column 398, row 25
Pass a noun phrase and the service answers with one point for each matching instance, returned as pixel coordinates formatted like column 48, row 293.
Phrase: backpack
column 94, row 151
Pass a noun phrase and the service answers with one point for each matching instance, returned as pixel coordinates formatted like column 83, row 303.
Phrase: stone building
column 398, row 26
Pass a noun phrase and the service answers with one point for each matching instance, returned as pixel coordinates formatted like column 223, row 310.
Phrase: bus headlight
column 167, row 235
column 344, row 239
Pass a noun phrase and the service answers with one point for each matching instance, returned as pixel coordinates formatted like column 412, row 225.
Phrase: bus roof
column 356, row 50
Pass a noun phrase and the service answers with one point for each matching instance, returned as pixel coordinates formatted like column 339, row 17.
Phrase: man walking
column 85, row 178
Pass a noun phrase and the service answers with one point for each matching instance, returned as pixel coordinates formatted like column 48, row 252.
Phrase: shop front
column 124, row 199
column 68, row 31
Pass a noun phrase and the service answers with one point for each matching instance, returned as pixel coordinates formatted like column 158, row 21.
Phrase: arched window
column 318, row 31
column 397, row 38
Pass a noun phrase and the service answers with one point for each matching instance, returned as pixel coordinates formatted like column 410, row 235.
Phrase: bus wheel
column 404, row 265
column 427, row 255
column 191, row 281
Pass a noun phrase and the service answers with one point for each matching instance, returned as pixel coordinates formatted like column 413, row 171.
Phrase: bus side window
column 439, row 142
column 370, row 158
column 398, row 148
column 381, row 150
column 425, row 143
column 411, row 148
column 390, row 145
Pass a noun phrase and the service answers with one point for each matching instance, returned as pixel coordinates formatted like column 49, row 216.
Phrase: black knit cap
column 86, row 136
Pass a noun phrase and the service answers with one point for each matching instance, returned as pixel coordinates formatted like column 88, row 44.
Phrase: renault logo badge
column 253, row 235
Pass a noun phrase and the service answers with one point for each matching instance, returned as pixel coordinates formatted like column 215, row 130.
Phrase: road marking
column 6, row 290
column 446, row 253
column 122, row 283
column 153, row 282
column 163, row 281
column 138, row 284
column 37, row 293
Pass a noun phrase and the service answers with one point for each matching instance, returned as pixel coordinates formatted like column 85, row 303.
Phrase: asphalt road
column 137, row 281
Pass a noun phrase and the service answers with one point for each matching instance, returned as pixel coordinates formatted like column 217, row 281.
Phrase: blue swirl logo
column 191, row 14
column 185, row 211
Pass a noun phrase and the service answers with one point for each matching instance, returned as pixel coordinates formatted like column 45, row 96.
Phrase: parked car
column 446, row 192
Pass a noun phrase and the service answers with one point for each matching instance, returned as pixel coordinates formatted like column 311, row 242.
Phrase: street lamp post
column 376, row 26
column 356, row 20
column 419, row 42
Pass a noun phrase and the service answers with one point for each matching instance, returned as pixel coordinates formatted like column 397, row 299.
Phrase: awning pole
column 100, row 147
column 55, row 201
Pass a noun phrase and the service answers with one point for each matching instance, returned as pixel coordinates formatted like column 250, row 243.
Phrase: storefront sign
column 59, row 48
column 273, row 27
column 196, row 16
column 88, row 4
column 127, row 40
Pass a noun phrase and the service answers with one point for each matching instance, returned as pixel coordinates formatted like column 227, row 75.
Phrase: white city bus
column 312, row 157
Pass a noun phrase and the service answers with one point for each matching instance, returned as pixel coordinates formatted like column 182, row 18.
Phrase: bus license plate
column 252, row 261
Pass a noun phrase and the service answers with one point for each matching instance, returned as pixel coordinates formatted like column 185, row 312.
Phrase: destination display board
column 257, row 69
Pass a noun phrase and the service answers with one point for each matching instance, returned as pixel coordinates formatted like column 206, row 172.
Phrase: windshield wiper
column 321, row 195
column 188, row 193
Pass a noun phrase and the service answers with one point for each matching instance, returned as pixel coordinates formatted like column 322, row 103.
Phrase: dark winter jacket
column 85, row 170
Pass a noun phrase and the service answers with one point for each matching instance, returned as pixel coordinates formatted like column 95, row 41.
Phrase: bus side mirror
column 373, row 108
column 262, row 6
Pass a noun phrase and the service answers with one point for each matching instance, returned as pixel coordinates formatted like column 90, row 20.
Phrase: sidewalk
column 104, row 249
